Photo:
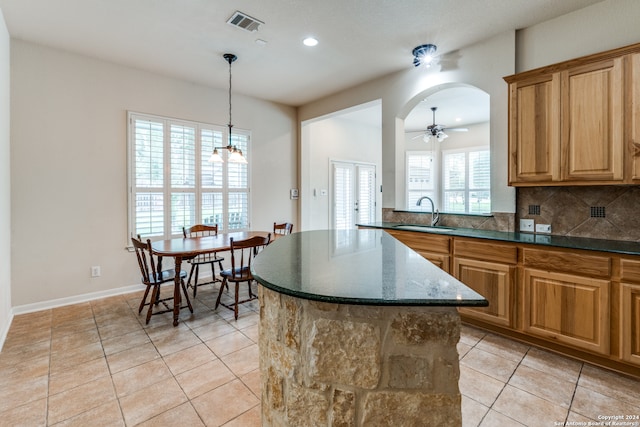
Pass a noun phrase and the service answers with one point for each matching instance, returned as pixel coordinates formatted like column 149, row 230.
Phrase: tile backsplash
column 602, row 212
column 497, row 221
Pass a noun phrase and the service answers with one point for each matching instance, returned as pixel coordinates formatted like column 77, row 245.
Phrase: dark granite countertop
column 366, row 267
column 603, row 245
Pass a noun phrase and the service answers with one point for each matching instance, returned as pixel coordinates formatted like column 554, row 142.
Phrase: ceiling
column 456, row 107
column 358, row 39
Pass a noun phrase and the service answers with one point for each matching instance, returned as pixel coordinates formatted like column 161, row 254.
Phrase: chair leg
column 144, row 299
column 235, row 306
column 213, row 272
column 154, row 296
column 221, row 269
column 224, row 282
column 193, row 267
column 184, row 290
column 195, row 282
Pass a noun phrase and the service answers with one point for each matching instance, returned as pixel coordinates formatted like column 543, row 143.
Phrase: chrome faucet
column 435, row 215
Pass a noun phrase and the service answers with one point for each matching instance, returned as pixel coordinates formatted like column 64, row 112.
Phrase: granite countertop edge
column 601, row 245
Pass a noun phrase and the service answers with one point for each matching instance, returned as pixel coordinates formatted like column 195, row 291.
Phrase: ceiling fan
column 437, row 131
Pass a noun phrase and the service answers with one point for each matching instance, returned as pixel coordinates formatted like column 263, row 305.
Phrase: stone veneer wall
column 498, row 221
column 352, row 365
column 569, row 210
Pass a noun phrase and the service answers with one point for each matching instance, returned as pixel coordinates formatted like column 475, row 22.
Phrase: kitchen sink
column 429, row 228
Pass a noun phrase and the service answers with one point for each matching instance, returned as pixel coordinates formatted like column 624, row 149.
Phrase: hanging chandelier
column 235, row 154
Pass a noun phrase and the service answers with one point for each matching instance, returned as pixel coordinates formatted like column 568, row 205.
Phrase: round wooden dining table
column 189, row 247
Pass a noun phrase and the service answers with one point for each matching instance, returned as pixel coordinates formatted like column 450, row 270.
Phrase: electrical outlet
column 95, row 271
column 526, row 225
column 543, row 228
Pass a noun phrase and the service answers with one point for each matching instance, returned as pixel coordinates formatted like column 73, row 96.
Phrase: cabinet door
column 534, row 131
column 495, row 282
column 569, row 309
column 630, row 323
column 633, row 127
column 592, row 129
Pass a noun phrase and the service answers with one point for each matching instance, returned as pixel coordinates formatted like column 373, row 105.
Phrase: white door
column 353, row 194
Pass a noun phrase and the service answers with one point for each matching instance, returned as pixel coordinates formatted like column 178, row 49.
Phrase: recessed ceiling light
column 310, row 41
column 261, row 42
column 458, row 119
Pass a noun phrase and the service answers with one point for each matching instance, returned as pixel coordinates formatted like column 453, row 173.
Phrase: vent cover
column 244, row 22
column 597, row 212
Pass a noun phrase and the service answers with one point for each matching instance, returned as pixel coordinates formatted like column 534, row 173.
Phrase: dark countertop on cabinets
column 602, row 245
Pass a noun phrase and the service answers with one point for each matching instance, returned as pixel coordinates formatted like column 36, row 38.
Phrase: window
column 465, row 186
column 420, row 179
column 466, row 181
column 172, row 184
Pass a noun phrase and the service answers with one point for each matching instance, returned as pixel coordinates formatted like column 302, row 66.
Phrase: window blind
column 172, row 183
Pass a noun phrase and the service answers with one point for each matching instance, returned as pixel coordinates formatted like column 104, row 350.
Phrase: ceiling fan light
column 441, row 136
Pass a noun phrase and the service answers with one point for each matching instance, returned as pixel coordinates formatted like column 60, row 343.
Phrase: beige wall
column 338, row 139
column 606, row 25
column 5, row 185
column 69, row 159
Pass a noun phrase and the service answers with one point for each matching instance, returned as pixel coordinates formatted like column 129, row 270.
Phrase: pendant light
column 235, row 154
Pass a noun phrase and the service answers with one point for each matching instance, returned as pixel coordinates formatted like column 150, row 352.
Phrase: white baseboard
column 59, row 302
column 76, row 299
column 5, row 332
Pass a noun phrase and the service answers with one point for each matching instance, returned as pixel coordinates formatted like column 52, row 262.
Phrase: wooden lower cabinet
column 630, row 323
column 567, row 308
column 432, row 247
column 582, row 303
column 493, row 281
column 488, row 268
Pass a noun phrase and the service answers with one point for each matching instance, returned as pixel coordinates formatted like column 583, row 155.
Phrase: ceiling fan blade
column 456, row 130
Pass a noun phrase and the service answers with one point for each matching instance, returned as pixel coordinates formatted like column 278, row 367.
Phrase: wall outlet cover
column 526, row 225
column 543, row 228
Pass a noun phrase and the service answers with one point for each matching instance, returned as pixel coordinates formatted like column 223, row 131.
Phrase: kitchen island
column 357, row 329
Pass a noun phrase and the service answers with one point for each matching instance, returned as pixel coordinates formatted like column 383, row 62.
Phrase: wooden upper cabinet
column 633, row 127
column 592, row 122
column 577, row 122
column 534, row 132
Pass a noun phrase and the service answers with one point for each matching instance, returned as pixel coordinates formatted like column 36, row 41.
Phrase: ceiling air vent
column 244, row 21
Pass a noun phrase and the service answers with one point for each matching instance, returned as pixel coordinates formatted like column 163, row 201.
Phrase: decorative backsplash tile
column 601, row 212
column 498, row 221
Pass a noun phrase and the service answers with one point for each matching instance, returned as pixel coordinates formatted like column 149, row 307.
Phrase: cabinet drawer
column 630, row 270
column 472, row 248
column 586, row 265
column 423, row 242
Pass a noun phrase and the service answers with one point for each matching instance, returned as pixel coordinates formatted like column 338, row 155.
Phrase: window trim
column 198, row 189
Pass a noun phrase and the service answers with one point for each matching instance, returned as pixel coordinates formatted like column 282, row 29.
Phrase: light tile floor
column 97, row 363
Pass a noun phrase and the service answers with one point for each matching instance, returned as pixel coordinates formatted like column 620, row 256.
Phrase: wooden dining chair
column 242, row 254
column 152, row 278
column 282, row 229
column 210, row 258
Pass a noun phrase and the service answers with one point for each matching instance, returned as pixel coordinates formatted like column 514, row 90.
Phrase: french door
column 353, row 196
